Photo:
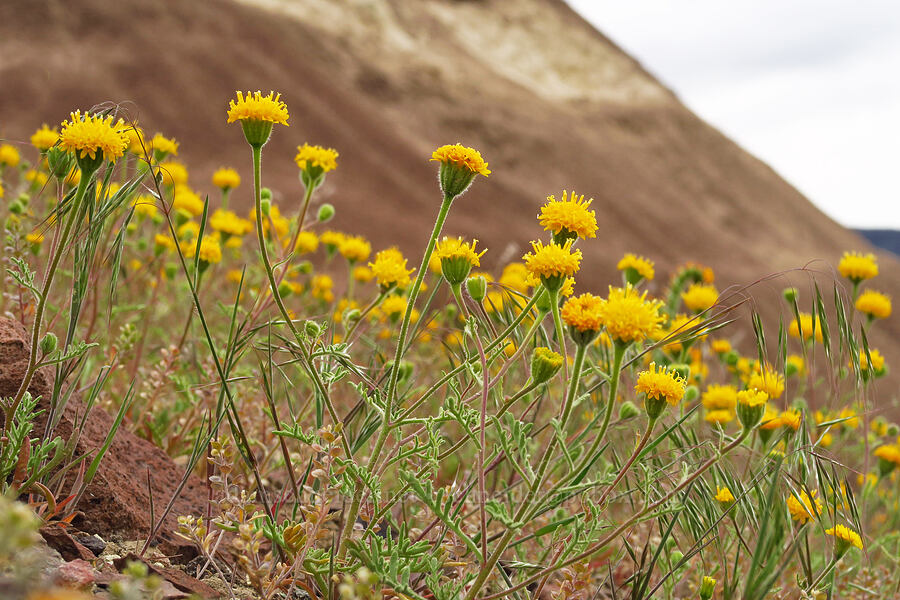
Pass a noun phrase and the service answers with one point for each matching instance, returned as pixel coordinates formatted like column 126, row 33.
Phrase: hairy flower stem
column 612, row 536
column 618, row 354
column 560, row 335
column 273, row 284
column 828, row 569
column 526, row 505
column 42, row 301
column 395, row 372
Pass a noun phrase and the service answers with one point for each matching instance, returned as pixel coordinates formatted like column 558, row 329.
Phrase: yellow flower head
column 316, row 157
column 791, row 419
column 719, row 397
column 752, row 398
column 720, row 346
column 723, row 495
column 390, row 269
column 700, row 297
column 163, row 145
column 185, row 199
column 845, row 536
column 877, row 360
column 226, row 178
column 629, row 316
column 362, row 274
column 145, row 205
column 461, row 156
column 256, row 107
column 38, row 178
column 163, row 242
column 85, row 135
column 136, row 140
column 719, row 416
column 768, row 380
column 44, row 138
column 642, row 267
column 552, row 261
column 874, row 305
column 889, row 453
column 858, row 267
column 456, row 248
column 355, row 248
column 307, row 242
column 210, row 250
column 173, row 173
column 9, row 155
column 568, row 218
column 806, row 326
column 804, row 507
column 229, row 223
column 661, row 384
column 35, row 237
column 771, row 420
column 394, row 306
column 583, row 313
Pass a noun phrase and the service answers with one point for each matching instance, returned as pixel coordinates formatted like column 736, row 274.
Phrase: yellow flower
column 38, row 178
column 889, row 453
column 461, row 156
column 804, row 507
column 629, row 316
column 723, row 495
column 363, row 274
column 321, row 288
column 719, row 397
column 752, row 398
column 210, row 250
column 771, row 420
column 9, row 155
column 390, row 269
column 163, row 242
column 394, row 306
column 173, row 173
column 453, row 248
column 85, row 135
column 163, row 145
column 639, row 265
column 185, row 199
column 806, row 326
column 851, row 421
column 768, row 380
column 44, row 138
column 720, row 346
column 874, row 305
column 660, row 384
column 568, row 218
column 844, row 534
column 35, row 237
column 719, row 416
column 145, row 205
column 136, row 141
column 316, row 157
column 226, row 178
column 514, row 277
column 355, row 248
column 791, row 419
column 877, row 360
column 332, row 239
column 583, row 313
column 256, row 107
column 234, row 275
column 552, row 262
column 307, row 242
column 858, row 267
column 229, row 223
column 700, row 297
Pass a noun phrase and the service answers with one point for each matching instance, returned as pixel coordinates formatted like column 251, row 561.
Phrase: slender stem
column 560, row 335
column 637, row 451
column 42, row 301
column 831, row 565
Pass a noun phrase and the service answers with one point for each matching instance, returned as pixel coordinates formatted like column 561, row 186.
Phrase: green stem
column 560, row 334
column 42, row 301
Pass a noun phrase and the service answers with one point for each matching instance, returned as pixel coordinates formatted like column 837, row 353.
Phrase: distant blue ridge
column 886, row 239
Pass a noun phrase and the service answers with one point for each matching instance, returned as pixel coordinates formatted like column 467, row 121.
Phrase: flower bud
column 284, row 289
column 545, row 363
column 691, row 393
column 171, row 271
column 790, row 295
column 628, row 410
column 312, row 329
column 543, row 303
column 326, row 213
column 48, row 343
column 707, row 587
column 16, row 207
column 59, row 162
column 477, row 287
column 266, row 206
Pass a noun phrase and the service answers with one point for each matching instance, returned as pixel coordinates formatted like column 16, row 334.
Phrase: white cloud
column 809, row 86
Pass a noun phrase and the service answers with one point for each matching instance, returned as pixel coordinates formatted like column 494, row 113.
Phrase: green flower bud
column 893, row 430
column 731, row 358
column 707, row 587
column 543, row 303
column 791, row 295
column 16, row 207
column 59, row 162
column 312, row 329
column 171, row 271
column 545, row 363
column 477, row 287
column 266, row 206
column 691, row 393
column 48, row 343
column 284, row 289
column 326, row 213
column 682, row 370
column 628, row 410
column 305, row 267
column 351, row 315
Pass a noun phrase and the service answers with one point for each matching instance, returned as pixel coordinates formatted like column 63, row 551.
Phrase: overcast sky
column 812, row 87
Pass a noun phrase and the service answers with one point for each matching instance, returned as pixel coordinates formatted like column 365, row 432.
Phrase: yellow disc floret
column 630, row 316
column 86, row 135
column 256, row 107
column 857, row 267
column 569, row 217
column 461, row 156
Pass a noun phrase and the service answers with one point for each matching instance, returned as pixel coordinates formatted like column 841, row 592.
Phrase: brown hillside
column 551, row 103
